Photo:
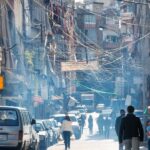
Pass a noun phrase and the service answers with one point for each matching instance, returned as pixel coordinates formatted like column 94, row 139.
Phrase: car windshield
column 59, row 118
column 81, row 110
column 49, row 123
column 38, row 127
column 8, row 118
column 73, row 119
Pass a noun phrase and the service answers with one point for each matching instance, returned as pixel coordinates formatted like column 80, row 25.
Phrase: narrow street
column 89, row 144
column 74, row 67
column 92, row 142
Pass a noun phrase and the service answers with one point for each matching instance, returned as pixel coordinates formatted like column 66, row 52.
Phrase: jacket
column 130, row 127
column 66, row 126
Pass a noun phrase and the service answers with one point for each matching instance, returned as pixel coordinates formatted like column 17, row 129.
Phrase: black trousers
column 66, row 136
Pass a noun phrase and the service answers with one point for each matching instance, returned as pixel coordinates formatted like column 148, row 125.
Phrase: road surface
column 92, row 142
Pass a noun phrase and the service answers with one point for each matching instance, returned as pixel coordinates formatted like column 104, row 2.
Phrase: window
column 90, row 19
column 8, row 118
column 112, row 39
column 91, row 33
column 38, row 127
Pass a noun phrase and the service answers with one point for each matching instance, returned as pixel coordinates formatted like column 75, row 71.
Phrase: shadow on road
column 97, row 136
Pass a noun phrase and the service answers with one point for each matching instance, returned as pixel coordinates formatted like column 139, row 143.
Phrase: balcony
column 110, row 45
column 127, row 17
column 127, row 39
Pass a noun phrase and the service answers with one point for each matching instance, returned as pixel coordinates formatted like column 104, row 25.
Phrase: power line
column 94, row 49
column 106, row 17
column 113, row 50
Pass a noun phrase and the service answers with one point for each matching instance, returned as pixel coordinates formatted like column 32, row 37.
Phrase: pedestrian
column 131, row 130
column 148, row 133
column 113, row 117
column 90, row 124
column 82, row 122
column 67, row 131
column 107, row 123
column 100, row 123
column 117, row 126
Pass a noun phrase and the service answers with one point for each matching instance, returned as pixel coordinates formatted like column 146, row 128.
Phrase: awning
column 12, row 98
column 56, row 97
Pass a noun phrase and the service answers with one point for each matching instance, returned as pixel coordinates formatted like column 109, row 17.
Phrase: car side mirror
column 33, row 121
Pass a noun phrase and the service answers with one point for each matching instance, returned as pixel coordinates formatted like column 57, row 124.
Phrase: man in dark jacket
column 131, row 130
column 117, row 125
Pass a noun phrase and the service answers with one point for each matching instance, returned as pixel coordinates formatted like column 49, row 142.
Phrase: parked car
column 82, row 111
column 75, row 123
column 15, row 128
column 35, row 141
column 76, row 113
column 81, row 107
column 43, row 135
column 50, row 131
column 53, row 125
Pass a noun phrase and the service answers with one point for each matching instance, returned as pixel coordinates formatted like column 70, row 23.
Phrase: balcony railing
column 127, row 39
column 110, row 45
column 127, row 16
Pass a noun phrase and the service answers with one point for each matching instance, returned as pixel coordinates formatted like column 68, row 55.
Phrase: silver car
column 15, row 128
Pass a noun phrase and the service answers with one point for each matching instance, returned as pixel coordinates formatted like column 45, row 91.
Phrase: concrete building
column 88, row 23
column 12, row 66
column 106, row 2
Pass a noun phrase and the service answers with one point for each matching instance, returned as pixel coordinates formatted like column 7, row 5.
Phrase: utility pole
column 71, row 52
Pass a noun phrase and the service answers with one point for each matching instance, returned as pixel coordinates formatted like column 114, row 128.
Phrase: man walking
column 100, row 124
column 117, row 126
column 131, row 130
